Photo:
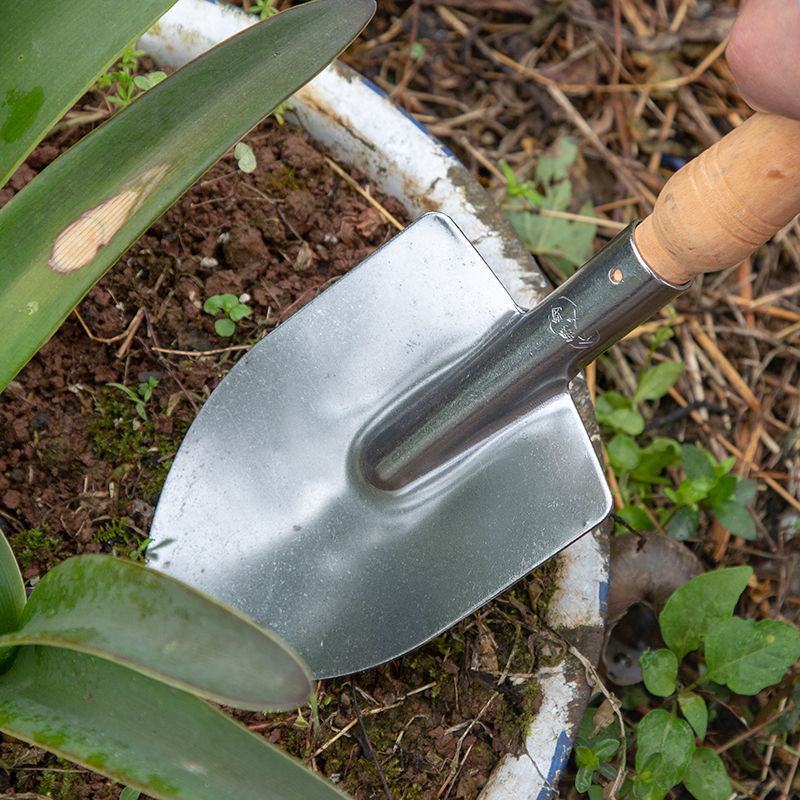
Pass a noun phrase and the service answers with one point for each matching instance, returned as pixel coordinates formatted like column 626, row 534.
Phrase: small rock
column 208, row 262
column 12, row 499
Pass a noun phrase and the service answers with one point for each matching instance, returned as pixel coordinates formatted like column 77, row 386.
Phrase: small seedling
column 140, row 397
column 245, row 157
column 125, row 84
column 567, row 242
column 263, row 8
column 232, row 309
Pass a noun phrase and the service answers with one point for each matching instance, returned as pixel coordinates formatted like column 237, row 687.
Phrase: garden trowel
column 405, row 447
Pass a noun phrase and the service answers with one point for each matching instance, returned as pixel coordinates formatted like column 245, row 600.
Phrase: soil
column 81, row 468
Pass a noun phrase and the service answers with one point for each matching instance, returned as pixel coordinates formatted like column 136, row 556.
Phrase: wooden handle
column 727, row 202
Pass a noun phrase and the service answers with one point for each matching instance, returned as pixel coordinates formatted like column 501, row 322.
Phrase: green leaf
column 213, row 304
column 747, row 656
column 723, row 489
column 240, row 311
column 12, row 589
column 554, row 165
column 145, row 82
column 151, row 737
column 156, row 625
column 616, row 411
column 745, row 491
column 129, row 794
column 699, row 606
column 61, row 233
column 623, row 452
column 659, row 671
column 585, row 757
column 736, row 518
column 583, row 779
column 695, row 710
column 661, row 453
column 663, row 734
column 636, row 517
column 245, row 157
column 697, row 462
column 225, row 327
column 655, row 382
column 683, row 523
column 706, row 777
column 47, row 61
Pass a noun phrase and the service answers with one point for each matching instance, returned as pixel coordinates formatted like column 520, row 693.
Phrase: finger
column 764, row 55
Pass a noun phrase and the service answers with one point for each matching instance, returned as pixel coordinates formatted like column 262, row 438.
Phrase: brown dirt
column 81, row 472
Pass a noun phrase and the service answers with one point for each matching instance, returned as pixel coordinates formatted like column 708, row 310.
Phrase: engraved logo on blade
column 564, row 323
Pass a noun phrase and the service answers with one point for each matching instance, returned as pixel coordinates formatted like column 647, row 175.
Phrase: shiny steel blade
column 267, row 506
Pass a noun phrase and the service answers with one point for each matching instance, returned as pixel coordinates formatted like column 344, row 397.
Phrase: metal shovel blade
column 267, row 506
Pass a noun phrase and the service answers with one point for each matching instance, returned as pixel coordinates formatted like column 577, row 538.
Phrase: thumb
column 764, row 55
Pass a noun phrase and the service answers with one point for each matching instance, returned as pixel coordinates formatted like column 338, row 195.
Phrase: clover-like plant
column 61, row 233
column 231, row 308
column 110, row 664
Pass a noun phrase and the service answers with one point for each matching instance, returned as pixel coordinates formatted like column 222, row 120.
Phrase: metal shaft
column 525, row 360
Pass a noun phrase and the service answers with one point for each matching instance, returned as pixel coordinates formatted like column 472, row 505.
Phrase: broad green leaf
column 50, row 54
column 151, row 737
column 636, row 517
column 656, row 381
column 745, row 491
column 659, row 671
column 12, row 588
column 554, row 165
column 706, row 777
column 699, row 606
column 663, row 734
column 736, row 518
column 697, row 462
column 683, row 523
column 71, row 223
column 129, row 794
column 156, row 625
column 694, row 708
column 623, row 452
column 747, row 656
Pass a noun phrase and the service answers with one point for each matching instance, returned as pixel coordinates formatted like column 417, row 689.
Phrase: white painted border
column 356, row 122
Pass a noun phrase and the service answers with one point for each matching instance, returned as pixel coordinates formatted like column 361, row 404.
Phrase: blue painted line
column 560, row 756
column 603, row 593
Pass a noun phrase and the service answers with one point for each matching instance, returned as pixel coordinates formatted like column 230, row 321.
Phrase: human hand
column 764, row 55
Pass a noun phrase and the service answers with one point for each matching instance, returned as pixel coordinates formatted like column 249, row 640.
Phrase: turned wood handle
column 727, row 202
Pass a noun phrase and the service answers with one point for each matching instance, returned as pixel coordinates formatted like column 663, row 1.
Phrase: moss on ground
column 119, row 436
column 35, row 546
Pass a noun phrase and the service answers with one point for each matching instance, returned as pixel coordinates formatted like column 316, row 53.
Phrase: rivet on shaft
column 615, row 275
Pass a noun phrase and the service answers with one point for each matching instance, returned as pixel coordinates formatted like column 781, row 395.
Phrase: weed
column 35, row 546
column 140, row 397
column 738, row 657
column 232, row 309
column 124, row 84
column 262, row 8
column 123, row 540
column 643, row 469
column 568, row 243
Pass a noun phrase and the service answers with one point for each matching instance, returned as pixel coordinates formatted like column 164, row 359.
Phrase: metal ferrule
column 528, row 358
